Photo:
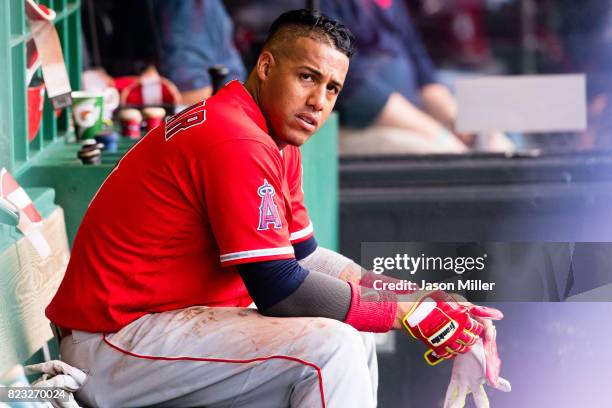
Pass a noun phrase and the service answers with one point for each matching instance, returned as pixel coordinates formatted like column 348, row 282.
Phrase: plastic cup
column 130, row 120
column 154, row 117
column 88, row 113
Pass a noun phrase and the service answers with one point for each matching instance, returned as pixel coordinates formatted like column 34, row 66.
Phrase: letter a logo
column 268, row 213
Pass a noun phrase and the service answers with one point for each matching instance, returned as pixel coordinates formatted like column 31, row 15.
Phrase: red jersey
column 204, row 192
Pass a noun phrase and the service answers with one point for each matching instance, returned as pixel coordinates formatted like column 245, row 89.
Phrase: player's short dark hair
column 313, row 24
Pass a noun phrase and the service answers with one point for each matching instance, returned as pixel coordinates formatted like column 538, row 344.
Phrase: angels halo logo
column 268, row 213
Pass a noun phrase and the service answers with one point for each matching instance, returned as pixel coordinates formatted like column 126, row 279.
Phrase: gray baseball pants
column 225, row 357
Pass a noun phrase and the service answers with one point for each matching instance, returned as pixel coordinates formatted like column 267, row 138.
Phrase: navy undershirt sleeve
column 270, row 282
column 304, row 248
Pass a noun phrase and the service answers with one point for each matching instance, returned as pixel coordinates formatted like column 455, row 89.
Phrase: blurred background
column 417, row 151
column 422, row 41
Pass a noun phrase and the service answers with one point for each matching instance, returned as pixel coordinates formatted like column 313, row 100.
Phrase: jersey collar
column 238, row 91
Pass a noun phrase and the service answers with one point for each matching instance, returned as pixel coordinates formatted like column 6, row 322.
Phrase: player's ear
column 264, row 63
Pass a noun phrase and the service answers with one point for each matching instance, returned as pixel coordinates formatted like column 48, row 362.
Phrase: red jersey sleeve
column 300, row 228
column 246, row 203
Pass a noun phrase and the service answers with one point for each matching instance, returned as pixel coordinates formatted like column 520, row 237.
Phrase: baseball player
column 204, row 216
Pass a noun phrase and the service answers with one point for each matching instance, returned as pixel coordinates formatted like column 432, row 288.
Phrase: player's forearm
column 319, row 295
column 324, row 296
column 285, row 289
column 331, row 263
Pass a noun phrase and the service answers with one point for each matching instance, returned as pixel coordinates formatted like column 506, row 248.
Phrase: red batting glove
column 443, row 324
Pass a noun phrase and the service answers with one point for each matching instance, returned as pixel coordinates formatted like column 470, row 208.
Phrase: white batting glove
column 469, row 376
column 58, row 374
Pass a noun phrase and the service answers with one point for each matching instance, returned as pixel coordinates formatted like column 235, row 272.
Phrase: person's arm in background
column 195, row 36
column 376, row 96
column 436, row 98
column 435, row 118
column 438, row 103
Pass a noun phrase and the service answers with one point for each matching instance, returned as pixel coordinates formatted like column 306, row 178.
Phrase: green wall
column 320, row 162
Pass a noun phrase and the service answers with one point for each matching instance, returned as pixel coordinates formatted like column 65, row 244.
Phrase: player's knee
column 334, row 338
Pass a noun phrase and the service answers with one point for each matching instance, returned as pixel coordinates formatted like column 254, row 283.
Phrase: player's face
column 300, row 90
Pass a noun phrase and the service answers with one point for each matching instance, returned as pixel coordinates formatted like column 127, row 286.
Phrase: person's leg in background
column 377, row 119
column 384, row 140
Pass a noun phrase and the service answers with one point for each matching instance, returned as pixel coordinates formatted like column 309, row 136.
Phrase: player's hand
column 468, row 377
column 443, row 323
